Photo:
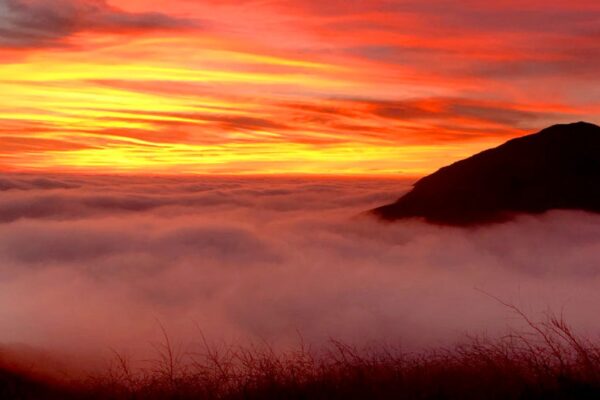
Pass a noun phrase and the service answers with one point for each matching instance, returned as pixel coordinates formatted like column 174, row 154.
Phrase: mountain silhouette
column 557, row 168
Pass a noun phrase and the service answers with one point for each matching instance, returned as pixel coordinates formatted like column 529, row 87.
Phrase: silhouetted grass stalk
column 545, row 360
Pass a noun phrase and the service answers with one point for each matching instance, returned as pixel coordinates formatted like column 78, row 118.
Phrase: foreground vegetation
column 545, row 361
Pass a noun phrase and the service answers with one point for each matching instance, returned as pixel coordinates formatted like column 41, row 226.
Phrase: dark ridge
column 22, row 386
column 557, row 168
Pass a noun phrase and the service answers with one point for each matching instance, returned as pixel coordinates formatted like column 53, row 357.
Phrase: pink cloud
column 259, row 259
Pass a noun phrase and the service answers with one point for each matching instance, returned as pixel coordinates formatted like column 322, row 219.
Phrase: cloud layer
column 92, row 263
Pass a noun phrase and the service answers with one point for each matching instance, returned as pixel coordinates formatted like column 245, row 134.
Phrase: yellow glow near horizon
column 143, row 158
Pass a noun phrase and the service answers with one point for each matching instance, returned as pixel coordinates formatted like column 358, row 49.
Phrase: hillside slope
column 557, row 168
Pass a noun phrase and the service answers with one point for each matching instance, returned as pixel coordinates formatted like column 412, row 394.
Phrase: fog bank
column 93, row 263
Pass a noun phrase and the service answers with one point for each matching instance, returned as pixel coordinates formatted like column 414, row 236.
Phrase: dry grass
column 545, row 361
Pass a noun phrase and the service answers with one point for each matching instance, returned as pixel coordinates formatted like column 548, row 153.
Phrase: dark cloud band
column 39, row 23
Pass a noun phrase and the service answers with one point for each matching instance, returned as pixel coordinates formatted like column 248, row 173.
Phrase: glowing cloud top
column 297, row 86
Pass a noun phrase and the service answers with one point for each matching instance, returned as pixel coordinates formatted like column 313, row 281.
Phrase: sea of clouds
column 92, row 263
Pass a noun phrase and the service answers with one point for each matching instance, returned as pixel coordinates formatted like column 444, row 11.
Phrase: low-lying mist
column 89, row 264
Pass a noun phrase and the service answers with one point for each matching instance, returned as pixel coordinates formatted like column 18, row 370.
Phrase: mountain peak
column 556, row 168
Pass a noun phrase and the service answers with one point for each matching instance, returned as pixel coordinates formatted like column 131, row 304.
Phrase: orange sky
column 297, row 86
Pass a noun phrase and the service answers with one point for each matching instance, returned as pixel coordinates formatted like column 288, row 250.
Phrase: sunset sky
column 298, row 86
